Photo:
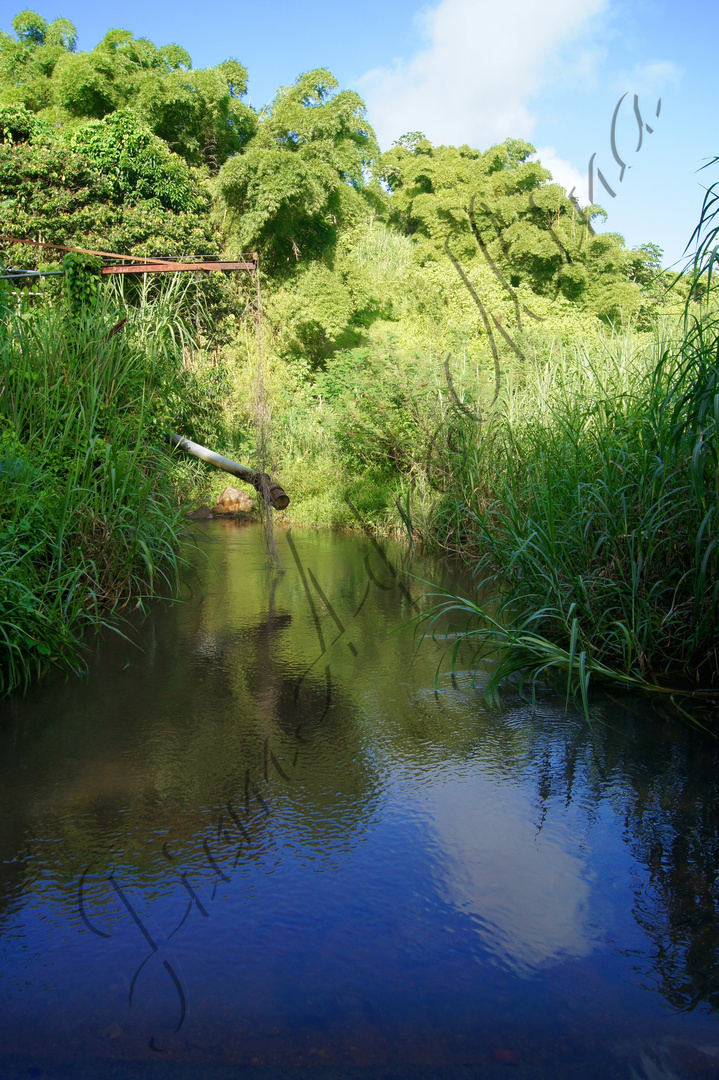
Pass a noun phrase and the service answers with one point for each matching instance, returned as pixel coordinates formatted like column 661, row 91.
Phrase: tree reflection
column 152, row 750
column 672, row 827
column 664, row 782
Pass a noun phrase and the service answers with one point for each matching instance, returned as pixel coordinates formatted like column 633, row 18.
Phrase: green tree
column 303, row 175
column 199, row 114
column 113, row 185
column 138, row 165
column 27, row 60
column 500, row 207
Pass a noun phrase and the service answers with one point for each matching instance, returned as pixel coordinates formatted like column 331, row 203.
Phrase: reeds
column 88, row 522
column 590, row 499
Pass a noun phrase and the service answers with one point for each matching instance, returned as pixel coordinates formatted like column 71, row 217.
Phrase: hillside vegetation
column 450, row 350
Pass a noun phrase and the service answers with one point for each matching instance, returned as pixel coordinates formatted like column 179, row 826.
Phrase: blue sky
column 476, row 71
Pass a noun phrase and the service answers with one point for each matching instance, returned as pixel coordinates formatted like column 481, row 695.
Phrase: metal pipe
column 31, row 274
column 261, row 482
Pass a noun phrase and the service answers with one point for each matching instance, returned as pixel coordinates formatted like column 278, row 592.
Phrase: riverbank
column 584, row 499
column 591, row 504
column 89, row 514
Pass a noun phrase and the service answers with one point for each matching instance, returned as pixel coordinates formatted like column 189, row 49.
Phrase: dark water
column 268, row 848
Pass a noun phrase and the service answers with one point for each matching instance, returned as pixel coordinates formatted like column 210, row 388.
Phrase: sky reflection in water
column 268, row 844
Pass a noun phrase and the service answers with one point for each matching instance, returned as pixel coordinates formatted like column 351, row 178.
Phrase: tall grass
column 592, row 501
column 88, row 521
column 590, row 504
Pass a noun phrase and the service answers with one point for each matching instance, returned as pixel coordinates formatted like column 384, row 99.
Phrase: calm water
column 267, row 847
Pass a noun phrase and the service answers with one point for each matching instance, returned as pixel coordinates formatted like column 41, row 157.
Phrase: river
column 269, row 844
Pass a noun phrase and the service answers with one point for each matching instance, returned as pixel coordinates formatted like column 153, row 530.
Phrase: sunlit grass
column 89, row 523
column 590, row 502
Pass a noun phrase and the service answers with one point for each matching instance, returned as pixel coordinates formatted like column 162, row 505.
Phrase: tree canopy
column 303, row 175
column 127, row 147
column 500, row 206
column 199, row 114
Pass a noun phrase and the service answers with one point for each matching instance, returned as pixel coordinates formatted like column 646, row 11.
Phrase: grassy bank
column 591, row 502
column 589, row 506
column 89, row 514
column 585, row 498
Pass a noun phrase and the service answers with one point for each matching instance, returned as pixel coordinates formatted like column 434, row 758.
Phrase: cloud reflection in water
column 526, row 891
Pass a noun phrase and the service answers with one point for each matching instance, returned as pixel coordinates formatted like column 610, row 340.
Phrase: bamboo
column 277, row 497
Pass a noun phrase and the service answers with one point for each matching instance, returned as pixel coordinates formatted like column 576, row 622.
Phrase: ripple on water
column 274, row 842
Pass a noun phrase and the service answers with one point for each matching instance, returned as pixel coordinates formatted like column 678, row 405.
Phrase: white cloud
column 528, row 895
column 483, row 64
column 649, row 79
column 564, row 173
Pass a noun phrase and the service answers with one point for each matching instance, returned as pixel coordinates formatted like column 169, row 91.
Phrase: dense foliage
column 117, row 147
column 199, row 114
column 89, row 521
column 420, row 315
column 301, row 178
column 112, row 184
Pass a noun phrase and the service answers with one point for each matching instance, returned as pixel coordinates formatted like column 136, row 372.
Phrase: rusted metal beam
column 154, row 264
column 77, row 250
column 174, row 268
column 261, row 482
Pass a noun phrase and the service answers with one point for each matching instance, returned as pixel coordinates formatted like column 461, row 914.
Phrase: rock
column 200, row 514
column 233, row 500
column 505, row 1056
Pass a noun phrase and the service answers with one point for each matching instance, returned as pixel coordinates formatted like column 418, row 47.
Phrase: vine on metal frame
column 82, row 279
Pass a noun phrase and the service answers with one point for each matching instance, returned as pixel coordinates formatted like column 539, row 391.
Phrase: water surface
column 268, row 846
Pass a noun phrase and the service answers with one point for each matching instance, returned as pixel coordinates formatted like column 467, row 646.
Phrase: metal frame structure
column 131, row 264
